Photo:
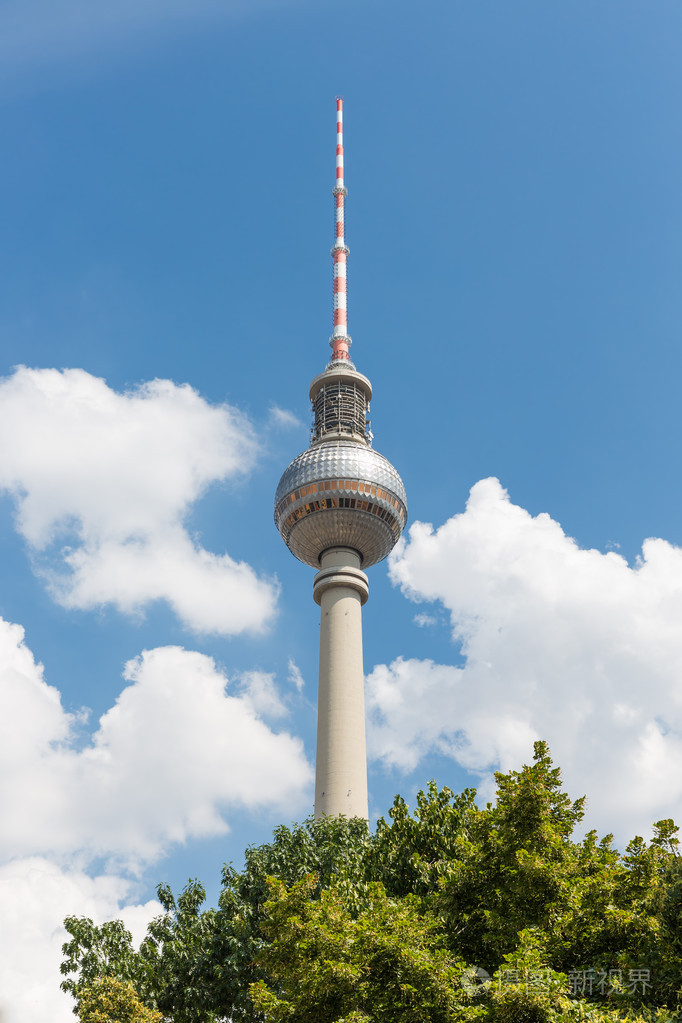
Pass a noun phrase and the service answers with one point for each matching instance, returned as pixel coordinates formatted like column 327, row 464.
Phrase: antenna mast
column 340, row 341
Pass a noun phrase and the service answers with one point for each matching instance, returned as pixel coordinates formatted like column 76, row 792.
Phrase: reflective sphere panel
column 340, row 494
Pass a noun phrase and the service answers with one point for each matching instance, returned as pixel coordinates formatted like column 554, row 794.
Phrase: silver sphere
column 340, row 494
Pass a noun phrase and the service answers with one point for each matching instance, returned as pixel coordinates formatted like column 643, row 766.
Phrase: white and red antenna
column 340, row 341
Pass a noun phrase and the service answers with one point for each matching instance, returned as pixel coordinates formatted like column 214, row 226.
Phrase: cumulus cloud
column 423, row 620
column 570, row 645
column 35, row 897
column 167, row 762
column 198, row 750
column 284, row 419
column 259, row 688
column 295, row 676
column 103, row 483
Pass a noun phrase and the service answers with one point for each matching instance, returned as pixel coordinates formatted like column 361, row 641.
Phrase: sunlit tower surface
column 340, row 507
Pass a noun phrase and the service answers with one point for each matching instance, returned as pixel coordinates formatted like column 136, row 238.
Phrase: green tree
column 107, row 1000
column 517, row 867
column 385, row 963
column 484, row 879
column 179, row 956
column 198, row 964
column 174, row 969
column 329, row 849
column 94, row 952
column 413, row 853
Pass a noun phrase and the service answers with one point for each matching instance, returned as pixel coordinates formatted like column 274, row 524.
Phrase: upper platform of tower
column 340, row 398
column 340, row 492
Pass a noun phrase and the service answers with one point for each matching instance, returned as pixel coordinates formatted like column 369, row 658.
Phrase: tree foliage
column 383, row 961
column 402, row 924
column 107, row 1000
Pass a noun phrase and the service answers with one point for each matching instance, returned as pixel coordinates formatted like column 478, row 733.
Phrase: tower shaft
column 340, row 588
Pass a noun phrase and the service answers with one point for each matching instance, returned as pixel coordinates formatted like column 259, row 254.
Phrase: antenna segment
column 340, row 341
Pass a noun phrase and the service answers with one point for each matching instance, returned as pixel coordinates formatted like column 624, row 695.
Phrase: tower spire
column 340, row 341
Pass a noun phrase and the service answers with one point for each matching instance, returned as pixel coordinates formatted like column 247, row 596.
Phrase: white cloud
column 295, row 676
column 166, row 763
column 259, row 688
column 35, row 897
column 174, row 753
column 284, row 419
column 570, row 645
column 103, row 483
column 422, row 620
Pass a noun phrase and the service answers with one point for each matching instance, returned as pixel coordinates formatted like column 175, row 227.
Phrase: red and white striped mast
column 340, row 341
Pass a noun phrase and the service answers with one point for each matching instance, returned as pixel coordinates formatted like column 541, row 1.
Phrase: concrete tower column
column 340, row 588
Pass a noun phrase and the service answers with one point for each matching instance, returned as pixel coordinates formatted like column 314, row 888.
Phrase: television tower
column 340, row 507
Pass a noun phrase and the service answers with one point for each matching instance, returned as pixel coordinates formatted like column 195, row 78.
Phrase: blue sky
column 515, row 225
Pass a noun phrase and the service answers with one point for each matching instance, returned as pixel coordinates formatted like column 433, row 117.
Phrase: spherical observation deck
column 340, row 493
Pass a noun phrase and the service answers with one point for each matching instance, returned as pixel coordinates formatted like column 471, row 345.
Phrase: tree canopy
column 447, row 912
